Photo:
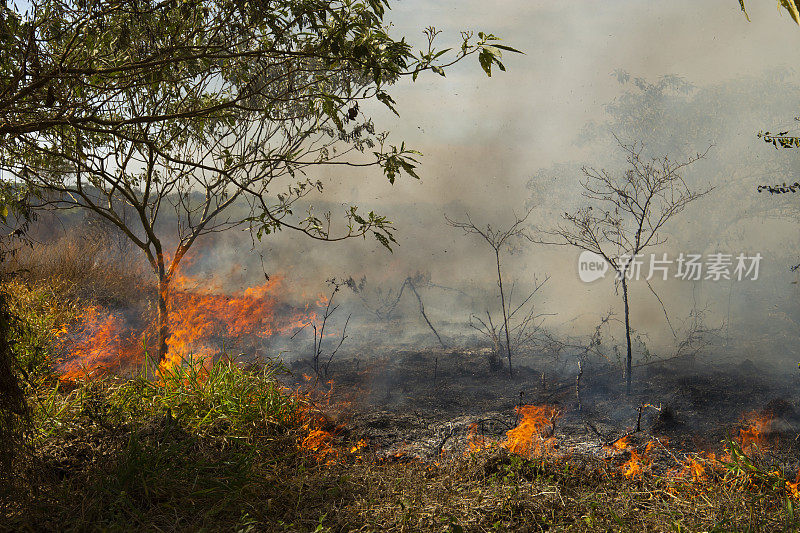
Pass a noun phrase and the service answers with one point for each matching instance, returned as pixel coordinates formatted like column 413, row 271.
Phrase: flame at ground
column 527, row 439
column 476, row 443
column 199, row 318
column 360, row 445
column 203, row 321
column 754, row 435
column 531, row 438
column 794, row 487
column 319, row 442
column 694, row 469
column 99, row 341
column 621, row 444
column 638, row 462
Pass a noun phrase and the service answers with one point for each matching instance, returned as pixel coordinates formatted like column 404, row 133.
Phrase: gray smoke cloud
column 493, row 147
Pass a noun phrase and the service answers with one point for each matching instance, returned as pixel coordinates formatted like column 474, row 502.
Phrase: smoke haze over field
column 493, row 147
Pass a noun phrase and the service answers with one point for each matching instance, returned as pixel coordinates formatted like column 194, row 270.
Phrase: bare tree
column 319, row 331
column 628, row 213
column 387, row 303
column 502, row 240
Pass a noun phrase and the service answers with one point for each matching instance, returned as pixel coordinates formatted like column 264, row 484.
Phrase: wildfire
column 694, row 469
column 527, row 438
column 638, row 462
column 476, row 443
column 360, row 445
column 319, row 442
column 621, row 444
column 98, row 342
column 199, row 317
column 203, row 320
column 754, row 435
column 794, row 487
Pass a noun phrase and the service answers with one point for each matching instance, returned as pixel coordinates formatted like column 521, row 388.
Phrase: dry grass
column 220, row 449
column 89, row 265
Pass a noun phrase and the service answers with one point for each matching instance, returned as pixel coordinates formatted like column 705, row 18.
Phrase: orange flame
column 203, row 321
column 476, row 443
column 621, row 444
column 633, row 466
column 794, row 487
column 754, row 435
column 526, row 439
column 637, row 463
column 97, row 343
column 319, row 442
column 360, row 445
column 694, row 469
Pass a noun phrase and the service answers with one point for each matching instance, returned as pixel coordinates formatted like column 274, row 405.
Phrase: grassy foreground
column 224, row 453
column 226, row 448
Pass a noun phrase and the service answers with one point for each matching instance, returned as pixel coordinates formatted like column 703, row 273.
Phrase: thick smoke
column 681, row 77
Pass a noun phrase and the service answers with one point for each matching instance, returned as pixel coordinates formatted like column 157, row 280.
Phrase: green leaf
column 791, row 7
column 485, row 59
column 508, row 48
column 383, row 240
column 358, row 219
column 327, row 107
column 387, row 101
column 741, row 4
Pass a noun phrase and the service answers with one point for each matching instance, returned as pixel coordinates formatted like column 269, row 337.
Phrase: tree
column 62, row 60
column 384, row 304
column 628, row 212
column 319, row 331
column 199, row 107
column 670, row 115
column 503, row 240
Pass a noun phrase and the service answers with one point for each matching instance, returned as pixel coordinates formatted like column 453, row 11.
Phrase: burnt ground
column 421, row 404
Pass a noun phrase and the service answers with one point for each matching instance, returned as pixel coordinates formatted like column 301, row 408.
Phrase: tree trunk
column 14, row 414
column 627, row 336
column 163, row 317
column 505, row 314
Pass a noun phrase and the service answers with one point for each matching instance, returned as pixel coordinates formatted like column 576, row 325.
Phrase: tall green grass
column 224, row 398
column 191, row 448
column 40, row 312
column 221, row 400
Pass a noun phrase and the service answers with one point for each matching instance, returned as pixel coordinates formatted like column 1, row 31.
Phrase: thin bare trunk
column 627, row 337
column 578, row 385
column 422, row 312
column 505, row 313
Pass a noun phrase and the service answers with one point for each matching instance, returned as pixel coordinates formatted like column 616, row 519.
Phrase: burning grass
column 225, row 447
column 228, row 450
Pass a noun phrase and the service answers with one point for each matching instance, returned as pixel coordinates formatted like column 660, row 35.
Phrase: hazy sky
column 484, row 135
column 484, row 138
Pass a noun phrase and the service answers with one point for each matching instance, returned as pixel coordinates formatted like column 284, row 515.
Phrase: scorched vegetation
column 227, row 446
